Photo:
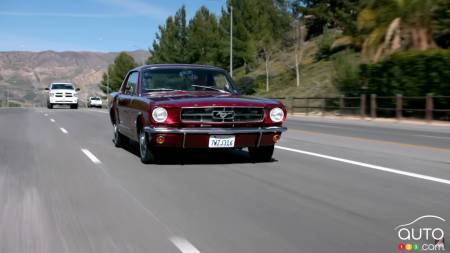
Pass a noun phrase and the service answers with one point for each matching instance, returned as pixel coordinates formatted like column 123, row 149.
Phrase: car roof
column 170, row 66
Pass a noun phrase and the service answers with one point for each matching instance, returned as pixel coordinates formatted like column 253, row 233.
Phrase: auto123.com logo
column 425, row 233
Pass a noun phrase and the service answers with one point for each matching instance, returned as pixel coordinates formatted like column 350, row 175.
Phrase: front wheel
column 119, row 139
column 49, row 105
column 261, row 154
column 75, row 106
column 145, row 151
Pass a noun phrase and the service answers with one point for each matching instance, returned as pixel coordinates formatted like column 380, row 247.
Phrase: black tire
column 261, row 154
column 75, row 106
column 118, row 138
column 49, row 105
column 145, row 150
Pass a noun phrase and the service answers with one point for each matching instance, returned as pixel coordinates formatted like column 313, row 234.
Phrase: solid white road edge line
column 184, row 245
column 63, row 130
column 52, row 120
column 367, row 165
column 91, row 156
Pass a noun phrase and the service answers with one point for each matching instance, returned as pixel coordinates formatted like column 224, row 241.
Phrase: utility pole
column 231, row 39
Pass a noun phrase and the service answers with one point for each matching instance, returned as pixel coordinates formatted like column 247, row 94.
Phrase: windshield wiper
column 159, row 89
column 210, row 88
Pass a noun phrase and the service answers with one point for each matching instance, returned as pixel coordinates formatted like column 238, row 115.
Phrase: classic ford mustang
column 192, row 106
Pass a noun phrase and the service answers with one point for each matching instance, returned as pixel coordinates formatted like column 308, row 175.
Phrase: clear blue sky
column 88, row 25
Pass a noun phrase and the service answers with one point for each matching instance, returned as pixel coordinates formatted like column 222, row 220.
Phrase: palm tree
column 393, row 25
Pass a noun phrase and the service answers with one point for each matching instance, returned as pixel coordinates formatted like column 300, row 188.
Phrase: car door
column 124, row 103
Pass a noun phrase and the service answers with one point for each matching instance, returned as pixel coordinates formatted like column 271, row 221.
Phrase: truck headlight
column 159, row 114
column 51, row 94
column 276, row 114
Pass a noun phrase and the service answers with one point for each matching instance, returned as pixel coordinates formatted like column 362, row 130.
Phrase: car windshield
column 62, row 86
column 185, row 80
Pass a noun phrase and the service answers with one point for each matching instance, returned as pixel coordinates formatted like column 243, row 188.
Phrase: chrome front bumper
column 157, row 130
column 216, row 131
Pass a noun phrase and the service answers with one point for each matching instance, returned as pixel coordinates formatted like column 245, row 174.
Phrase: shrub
column 347, row 67
column 246, row 85
column 410, row 74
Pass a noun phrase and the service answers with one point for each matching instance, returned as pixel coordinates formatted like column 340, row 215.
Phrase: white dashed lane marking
column 91, row 156
column 63, row 130
column 52, row 120
column 184, row 245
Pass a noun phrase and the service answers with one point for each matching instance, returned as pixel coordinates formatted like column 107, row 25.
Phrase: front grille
column 222, row 114
column 59, row 94
column 68, row 95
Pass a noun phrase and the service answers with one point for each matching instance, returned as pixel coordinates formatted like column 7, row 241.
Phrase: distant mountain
column 25, row 73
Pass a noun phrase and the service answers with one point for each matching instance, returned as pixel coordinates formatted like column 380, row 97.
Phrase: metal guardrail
column 419, row 107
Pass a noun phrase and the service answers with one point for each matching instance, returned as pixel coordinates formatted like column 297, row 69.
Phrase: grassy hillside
column 316, row 77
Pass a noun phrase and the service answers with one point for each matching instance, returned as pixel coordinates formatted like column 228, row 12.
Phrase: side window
column 130, row 88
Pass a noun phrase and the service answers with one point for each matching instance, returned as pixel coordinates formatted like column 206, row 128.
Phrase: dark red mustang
column 192, row 106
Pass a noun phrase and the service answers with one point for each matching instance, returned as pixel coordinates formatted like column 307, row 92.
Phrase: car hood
column 64, row 91
column 198, row 99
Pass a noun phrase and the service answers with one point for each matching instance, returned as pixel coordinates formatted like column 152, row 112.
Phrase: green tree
column 171, row 41
column 203, row 38
column 442, row 32
column 269, row 25
column 328, row 13
column 117, row 72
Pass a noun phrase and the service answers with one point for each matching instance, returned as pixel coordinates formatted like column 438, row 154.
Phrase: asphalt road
column 333, row 186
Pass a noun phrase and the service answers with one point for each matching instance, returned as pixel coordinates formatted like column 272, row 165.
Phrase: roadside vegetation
column 313, row 47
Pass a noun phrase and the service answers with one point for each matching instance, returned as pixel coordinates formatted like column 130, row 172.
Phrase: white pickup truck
column 62, row 94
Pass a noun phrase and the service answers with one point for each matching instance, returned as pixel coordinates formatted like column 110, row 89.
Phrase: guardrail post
column 398, row 106
column 7, row 97
column 362, row 106
column 307, row 106
column 341, row 105
column 373, row 106
column 429, row 108
column 323, row 106
column 290, row 101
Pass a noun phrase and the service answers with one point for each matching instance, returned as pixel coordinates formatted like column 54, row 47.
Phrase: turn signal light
column 160, row 139
column 276, row 138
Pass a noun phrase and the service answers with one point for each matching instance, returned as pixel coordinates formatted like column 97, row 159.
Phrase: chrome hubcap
column 116, row 134
column 143, row 145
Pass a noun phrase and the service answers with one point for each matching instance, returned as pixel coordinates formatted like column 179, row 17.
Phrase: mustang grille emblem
column 223, row 115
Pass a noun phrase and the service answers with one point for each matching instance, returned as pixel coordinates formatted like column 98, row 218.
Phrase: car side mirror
column 77, row 89
column 46, row 89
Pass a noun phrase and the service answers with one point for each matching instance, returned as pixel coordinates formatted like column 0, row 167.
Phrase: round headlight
column 276, row 114
column 159, row 114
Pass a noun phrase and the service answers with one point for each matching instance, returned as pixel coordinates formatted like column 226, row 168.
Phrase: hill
column 25, row 73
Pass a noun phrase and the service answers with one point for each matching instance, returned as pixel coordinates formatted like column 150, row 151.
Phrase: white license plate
column 221, row 141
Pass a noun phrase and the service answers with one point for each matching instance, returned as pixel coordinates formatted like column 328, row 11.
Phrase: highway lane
column 415, row 134
column 58, row 199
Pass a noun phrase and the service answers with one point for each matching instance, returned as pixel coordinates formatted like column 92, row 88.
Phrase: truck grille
column 61, row 94
column 222, row 114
